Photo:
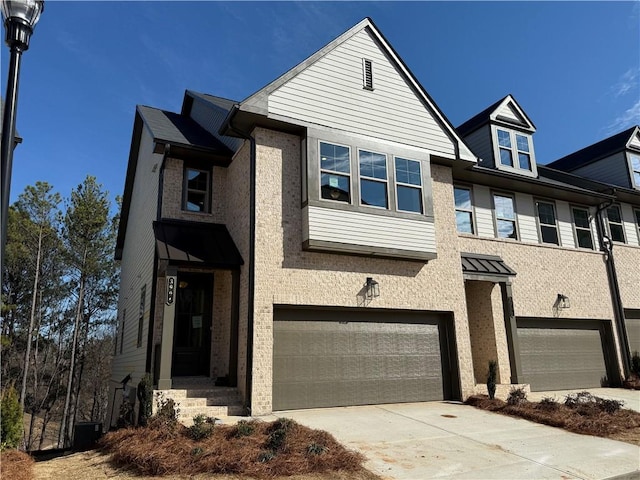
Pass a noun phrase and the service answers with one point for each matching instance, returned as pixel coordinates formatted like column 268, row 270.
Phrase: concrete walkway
column 449, row 440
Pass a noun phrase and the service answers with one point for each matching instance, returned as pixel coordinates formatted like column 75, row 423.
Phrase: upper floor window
column 196, row 190
column 547, row 222
column 464, row 210
column 636, row 213
column 335, row 172
column 635, row 167
column 373, row 179
column 582, row 227
column 514, row 149
column 408, row 185
column 505, row 216
column 616, row 228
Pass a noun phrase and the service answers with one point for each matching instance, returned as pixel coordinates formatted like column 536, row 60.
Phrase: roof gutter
column 606, row 246
column 228, row 125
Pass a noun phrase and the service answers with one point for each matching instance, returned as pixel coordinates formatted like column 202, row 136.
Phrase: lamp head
column 20, row 18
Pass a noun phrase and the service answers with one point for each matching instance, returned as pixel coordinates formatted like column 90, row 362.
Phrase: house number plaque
column 171, row 287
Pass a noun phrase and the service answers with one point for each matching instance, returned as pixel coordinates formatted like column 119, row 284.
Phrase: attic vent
column 367, row 74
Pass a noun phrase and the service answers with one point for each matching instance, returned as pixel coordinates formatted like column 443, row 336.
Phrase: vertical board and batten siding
column 629, row 222
column 330, row 92
column 210, row 118
column 613, row 169
column 565, row 224
column 527, row 222
column 137, row 264
column 483, row 211
column 368, row 230
column 479, row 142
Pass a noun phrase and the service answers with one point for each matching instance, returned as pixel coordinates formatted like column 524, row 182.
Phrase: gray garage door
column 632, row 321
column 338, row 358
column 561, row 354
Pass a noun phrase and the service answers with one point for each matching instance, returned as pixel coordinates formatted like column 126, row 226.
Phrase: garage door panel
column 557, row 355
column 328, row 363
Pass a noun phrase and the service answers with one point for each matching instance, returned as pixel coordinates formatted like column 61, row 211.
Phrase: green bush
column 244, row 429
column 316, row 449
column 202, row 427
column 10, row 419
column 166, row 417
column 517, row 396
column 145, row 397
column 491, row 378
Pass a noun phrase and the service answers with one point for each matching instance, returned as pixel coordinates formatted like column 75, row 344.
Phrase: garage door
column 632, row 321
column 561, row 354
column 354, row 357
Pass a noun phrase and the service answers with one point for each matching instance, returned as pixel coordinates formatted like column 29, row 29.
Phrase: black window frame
column 545, row 227
column 577, row 228
column 619, row 226
column 185, row 189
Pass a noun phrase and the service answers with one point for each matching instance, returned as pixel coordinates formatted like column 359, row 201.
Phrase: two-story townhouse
column 332, row 240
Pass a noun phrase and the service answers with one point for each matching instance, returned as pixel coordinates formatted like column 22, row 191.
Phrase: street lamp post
column 20, row 18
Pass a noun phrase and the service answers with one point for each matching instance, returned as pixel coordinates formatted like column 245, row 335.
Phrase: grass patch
column 256, row 449
column 579, row 413
column 16, row 465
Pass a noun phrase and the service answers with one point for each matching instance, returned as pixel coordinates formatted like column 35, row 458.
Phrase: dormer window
column 635, row 167
column 514, row 145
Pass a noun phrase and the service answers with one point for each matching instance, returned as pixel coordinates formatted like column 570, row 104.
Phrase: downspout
column 149, row 365
column 252, row 251
column 606, row 246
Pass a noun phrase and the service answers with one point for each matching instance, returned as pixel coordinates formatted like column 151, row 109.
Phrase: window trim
column 632, row 170
column 495, row 215
column 576, row 227
column 513, row 139
column 539, row 224
column 143, row 298
column 636, row 214
column 408, row 185
column 621, row 223
column 186, row 189
column 349, row 175
column 373, row 179
column 472, row 211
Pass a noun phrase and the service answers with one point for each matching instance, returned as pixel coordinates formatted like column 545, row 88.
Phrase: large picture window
column 547, row 222
column 505, row 213
column 408, row 185
column 373, row 179
column 616, row 228
column 196, row 190
column 582, row 227
column 335, row 172
column 464, row 210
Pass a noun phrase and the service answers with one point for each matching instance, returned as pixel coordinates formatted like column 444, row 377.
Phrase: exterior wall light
column 372, row 288
column 563, row 301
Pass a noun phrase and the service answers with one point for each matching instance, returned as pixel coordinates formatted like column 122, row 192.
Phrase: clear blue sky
column 574, row 67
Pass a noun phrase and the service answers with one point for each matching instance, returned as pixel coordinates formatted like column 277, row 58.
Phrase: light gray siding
column 635, row 141
column 210, row 118
column 613, row 169
column 368, row 230
column 483, row 211
column 506, row 110
column 527, row 222
column 330, row 93
column 480, row 144
column 628, row 219
column 565, row 224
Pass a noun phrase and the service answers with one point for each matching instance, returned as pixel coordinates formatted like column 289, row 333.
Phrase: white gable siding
column 479, row 142
column 508, row 111
column 330, row 93
column 137, row 264
column 629, row 222
column 613, row 169
column 527, row 224
column 210, row 118
column 484, row 211
column 635, row 141
column 565, row 224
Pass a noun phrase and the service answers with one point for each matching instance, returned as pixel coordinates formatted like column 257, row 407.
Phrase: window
column 408, row 185
column 512, row 146
column 582, row 227
column 547, row 222
column 636, row 213
column 373, row 179
column 124, row 315
column 367, row 74
column 335, row 172
column 464, row 210
column 505, row 216
column 616, row 229
column 196, row 190
column 143, row 295
column 635, row 167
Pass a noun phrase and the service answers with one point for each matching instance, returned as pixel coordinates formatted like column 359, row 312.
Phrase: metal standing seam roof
column 206, row 244
column 485, row 265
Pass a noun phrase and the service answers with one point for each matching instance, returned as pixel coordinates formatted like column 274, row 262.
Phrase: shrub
column 125, row 415
column 517, row 396
column 574, row 400
column 585, row 402
column 266, row 456
column 316, row 449
column 10, row 419
column 166, row 418
column 278, row 435
column 491, row 379
column 202, row 427
column 548, row 403
column 244, row 429
column 145, row 397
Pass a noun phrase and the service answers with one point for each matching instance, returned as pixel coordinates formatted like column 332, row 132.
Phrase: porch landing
column 200, row 396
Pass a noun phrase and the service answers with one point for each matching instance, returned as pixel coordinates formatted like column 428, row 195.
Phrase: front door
column 192, row 330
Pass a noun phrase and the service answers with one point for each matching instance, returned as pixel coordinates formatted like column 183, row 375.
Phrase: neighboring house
column 333, row 240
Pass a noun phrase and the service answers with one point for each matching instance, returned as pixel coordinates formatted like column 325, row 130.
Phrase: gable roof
column 486, row 115
column 596, row 151
column 257, row 102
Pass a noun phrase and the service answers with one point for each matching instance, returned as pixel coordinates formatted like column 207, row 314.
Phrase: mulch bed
column 584, row 414
column 257, row 449
column 16, row 465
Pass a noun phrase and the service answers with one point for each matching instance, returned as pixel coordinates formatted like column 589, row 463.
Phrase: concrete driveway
column 447, row 440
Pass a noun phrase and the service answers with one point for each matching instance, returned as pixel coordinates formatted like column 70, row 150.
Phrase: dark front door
column 192, row 328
